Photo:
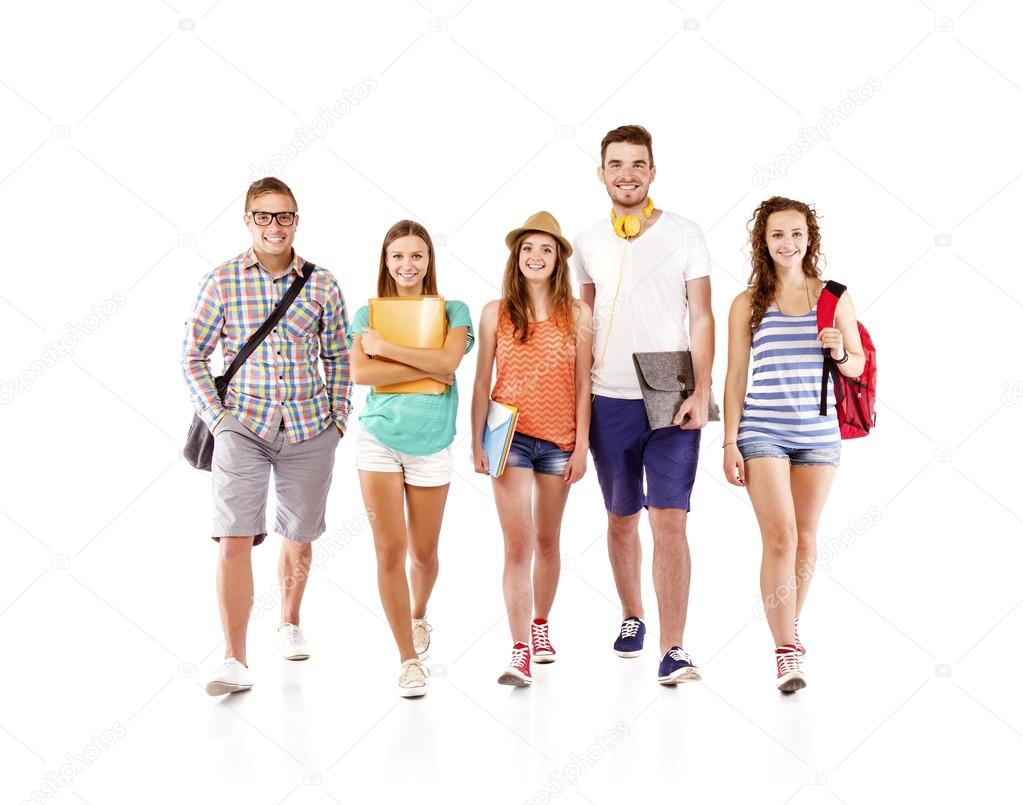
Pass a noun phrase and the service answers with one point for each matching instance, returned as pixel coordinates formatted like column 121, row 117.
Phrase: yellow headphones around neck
column 628, row 226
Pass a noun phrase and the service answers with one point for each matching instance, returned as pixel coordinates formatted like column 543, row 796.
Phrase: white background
column 130, row 132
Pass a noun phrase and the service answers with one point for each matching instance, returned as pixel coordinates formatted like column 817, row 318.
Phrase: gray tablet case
column 666, row 379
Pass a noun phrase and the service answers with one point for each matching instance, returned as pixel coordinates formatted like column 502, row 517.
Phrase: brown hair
column 515, row 296
column 763, row 279
column 268, row 184
column 634, row 135
column 385, row 282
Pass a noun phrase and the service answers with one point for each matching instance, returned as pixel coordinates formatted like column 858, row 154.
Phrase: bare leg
column 810, row 487
column 234, row 593
column 767, row 481
column 513, row 495
column 672, row 569
column 548, row 509
column 292, row 574
column 626, row 560
column 425, row 513
column 384, row 493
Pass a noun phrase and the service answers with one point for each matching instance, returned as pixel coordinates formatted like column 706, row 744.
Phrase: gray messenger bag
column 666, row 380
column 199, row 443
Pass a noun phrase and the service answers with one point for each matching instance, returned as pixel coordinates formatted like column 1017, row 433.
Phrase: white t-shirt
column 651, row 312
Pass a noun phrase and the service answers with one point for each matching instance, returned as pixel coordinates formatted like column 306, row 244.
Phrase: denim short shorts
column 797, row 456
column 538, row 455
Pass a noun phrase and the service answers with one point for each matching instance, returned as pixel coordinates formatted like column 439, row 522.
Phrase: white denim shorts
column 373, row 455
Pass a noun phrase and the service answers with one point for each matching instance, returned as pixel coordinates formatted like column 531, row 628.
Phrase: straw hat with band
column 541, row 222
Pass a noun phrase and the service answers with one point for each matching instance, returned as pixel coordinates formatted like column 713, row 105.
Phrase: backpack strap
column 826, row 307
column 828, row 304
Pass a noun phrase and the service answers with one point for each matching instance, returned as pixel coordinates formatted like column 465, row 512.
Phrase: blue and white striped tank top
column 782, row 406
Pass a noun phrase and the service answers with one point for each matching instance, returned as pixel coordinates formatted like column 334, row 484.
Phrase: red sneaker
column 543, row 651
column 517, row 672
column 790, row 672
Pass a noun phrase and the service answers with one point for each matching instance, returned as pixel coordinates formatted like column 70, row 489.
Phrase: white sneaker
column 421, row 637
column 412, row 680
column 230, row 677
column 291, row 642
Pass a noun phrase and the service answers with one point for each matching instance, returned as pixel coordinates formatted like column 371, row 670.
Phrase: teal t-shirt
column 417, row 424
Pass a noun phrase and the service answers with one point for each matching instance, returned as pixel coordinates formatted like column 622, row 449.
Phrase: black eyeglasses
column 264, row 218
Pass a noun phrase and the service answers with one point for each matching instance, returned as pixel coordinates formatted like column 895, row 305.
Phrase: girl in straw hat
column 541, row 338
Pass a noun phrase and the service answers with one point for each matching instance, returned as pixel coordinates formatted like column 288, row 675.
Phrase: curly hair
column 515, row 296
column 763, row 279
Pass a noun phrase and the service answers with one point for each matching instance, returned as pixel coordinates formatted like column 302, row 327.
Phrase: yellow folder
column 410, row 321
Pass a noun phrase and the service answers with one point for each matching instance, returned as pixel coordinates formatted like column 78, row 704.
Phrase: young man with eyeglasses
column 277, row 413
column 645, row 274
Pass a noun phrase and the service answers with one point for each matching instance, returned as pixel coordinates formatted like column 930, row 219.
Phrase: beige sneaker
column 291, row 643
column 412, row 680
column 421, row 637
column 230, row 677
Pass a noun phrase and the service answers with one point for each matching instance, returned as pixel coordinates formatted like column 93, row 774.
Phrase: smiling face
column 627, row 174
column 538, row 256
column 408, row 259
column 786, row 238
column 273, row 239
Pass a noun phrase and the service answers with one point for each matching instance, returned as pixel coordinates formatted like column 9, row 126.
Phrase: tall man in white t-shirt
column 645, row 274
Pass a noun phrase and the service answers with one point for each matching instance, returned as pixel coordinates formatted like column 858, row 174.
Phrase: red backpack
column 855, row 397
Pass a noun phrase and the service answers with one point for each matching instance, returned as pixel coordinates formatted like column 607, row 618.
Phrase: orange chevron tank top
column 538, row 378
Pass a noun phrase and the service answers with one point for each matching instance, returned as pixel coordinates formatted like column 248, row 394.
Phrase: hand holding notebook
column 497, row 435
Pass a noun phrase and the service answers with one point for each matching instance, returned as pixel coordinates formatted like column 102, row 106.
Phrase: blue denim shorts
column 538, row 455
column 797, row 456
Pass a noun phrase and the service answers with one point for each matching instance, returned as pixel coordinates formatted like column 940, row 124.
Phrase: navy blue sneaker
column 630, row 640
column 676, row 666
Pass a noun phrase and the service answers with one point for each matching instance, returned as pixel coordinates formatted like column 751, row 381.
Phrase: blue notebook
column 497, row 435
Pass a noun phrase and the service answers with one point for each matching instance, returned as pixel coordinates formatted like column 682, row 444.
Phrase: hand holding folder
column 497, row 435
column 410, row 321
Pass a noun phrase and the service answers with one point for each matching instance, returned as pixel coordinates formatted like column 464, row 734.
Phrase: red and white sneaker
column 790, row 672
column 517, row 672
column 797, row 642
column 539, row 636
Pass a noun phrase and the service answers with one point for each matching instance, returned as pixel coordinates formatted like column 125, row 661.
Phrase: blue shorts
column 538, row 455
column 797, row 456
column 624, row 445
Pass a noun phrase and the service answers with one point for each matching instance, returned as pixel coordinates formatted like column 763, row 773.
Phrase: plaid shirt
column 281, row 377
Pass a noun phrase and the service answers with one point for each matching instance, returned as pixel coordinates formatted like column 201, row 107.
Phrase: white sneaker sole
column 628, row 653
column 219, row 688
column 412, row 693
column 544, row 658
column 791, row 682
column 516, row 678
column 298, row 656
column 680, row 676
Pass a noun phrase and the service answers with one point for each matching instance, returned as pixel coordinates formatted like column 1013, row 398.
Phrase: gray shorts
column 241, row 482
